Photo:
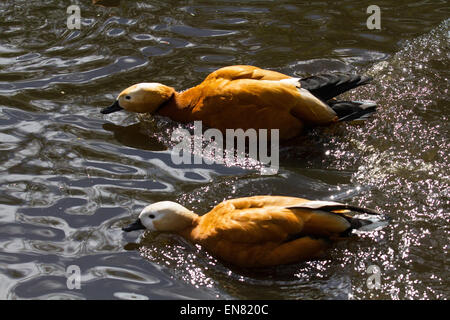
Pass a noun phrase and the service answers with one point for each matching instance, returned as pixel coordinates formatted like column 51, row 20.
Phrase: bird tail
column 329, row 85
column 367, row 221
column 371, row 220
column 353, row 110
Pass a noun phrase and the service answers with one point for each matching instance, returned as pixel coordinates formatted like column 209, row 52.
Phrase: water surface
column 71, row 177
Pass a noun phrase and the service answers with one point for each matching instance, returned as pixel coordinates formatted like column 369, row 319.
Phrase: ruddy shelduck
column 257, row 231
column 249, row 97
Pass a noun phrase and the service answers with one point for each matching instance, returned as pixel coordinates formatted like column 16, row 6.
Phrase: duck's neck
column 188, row 233
column 179, row 106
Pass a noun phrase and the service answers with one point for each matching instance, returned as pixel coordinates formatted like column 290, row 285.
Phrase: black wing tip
column 326, row 86
column 353, row 110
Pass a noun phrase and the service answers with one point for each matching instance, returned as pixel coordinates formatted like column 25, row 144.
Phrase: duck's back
column 245, row 72
column 249, row 97
column 244, row 219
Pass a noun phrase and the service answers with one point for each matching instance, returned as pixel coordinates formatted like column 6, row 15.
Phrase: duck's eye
column 151, row 216
column 128, row 97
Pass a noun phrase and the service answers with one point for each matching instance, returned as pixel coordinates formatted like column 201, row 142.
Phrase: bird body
column 256, row 231
column 247, row 97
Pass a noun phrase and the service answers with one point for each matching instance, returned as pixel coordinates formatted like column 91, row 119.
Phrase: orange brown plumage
column 244, row 97
column 256, row 231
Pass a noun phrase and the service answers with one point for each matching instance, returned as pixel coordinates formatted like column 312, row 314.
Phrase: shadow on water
column 134, row 136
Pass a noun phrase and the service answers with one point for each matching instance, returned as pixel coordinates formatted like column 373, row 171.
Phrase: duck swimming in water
column 249, row 97
column 257, row 231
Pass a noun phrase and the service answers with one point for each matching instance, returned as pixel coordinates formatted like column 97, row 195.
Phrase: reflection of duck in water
column 257, row 231
column 134, row 136
column 249, row 97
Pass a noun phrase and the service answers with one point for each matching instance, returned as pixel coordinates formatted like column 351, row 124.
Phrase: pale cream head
column 166, row 216
column 144, row 97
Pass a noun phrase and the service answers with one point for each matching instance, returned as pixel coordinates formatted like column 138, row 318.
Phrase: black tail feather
column 355, row 223
column 352, row 110
column 327, row 86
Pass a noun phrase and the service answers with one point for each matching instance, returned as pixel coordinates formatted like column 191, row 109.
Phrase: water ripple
column 71, row 177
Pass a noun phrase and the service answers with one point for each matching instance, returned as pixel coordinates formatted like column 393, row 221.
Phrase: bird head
column 142, row 98
column 163, row 216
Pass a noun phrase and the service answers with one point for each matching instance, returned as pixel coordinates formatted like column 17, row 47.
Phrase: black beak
column 137, row 225
column 112, row 108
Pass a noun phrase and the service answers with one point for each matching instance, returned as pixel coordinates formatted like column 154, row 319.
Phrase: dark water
column 71, row 177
